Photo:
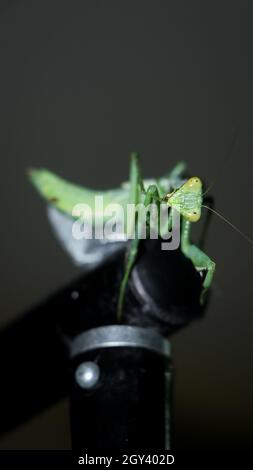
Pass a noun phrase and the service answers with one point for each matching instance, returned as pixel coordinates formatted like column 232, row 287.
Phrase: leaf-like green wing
column 65, row 195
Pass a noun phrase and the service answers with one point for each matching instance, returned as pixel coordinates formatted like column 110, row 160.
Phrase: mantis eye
column 194, row 181
column 193, row 216
column 193, row 184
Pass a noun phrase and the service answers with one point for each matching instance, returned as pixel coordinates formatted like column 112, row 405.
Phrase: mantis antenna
column 230, row 223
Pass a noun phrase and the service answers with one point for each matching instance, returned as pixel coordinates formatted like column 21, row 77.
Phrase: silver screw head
column 87, row 374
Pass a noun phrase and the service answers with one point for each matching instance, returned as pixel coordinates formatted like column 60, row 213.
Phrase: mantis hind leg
column 178, row 170
column 200, row 260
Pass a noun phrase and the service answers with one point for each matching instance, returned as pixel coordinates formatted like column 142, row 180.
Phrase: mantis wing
column 62, row 196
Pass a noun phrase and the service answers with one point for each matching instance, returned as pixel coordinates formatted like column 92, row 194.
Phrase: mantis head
column 187, row 199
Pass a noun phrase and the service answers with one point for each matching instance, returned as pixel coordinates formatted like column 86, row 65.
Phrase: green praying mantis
column 183, row 196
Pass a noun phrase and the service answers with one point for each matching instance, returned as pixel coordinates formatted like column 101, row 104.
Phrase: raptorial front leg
column 136, row 187
column 200, row 260
column 151, row 196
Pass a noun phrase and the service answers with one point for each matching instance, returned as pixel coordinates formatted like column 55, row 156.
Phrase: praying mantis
column 183, row 196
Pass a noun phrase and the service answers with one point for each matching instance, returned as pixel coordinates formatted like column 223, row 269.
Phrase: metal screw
column 87, row 374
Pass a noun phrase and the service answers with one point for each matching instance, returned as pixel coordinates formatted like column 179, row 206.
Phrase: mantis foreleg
column 151, row 196
column 136, row 185
column 200, row 260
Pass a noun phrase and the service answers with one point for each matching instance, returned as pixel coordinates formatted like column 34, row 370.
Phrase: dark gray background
column 83, row 83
